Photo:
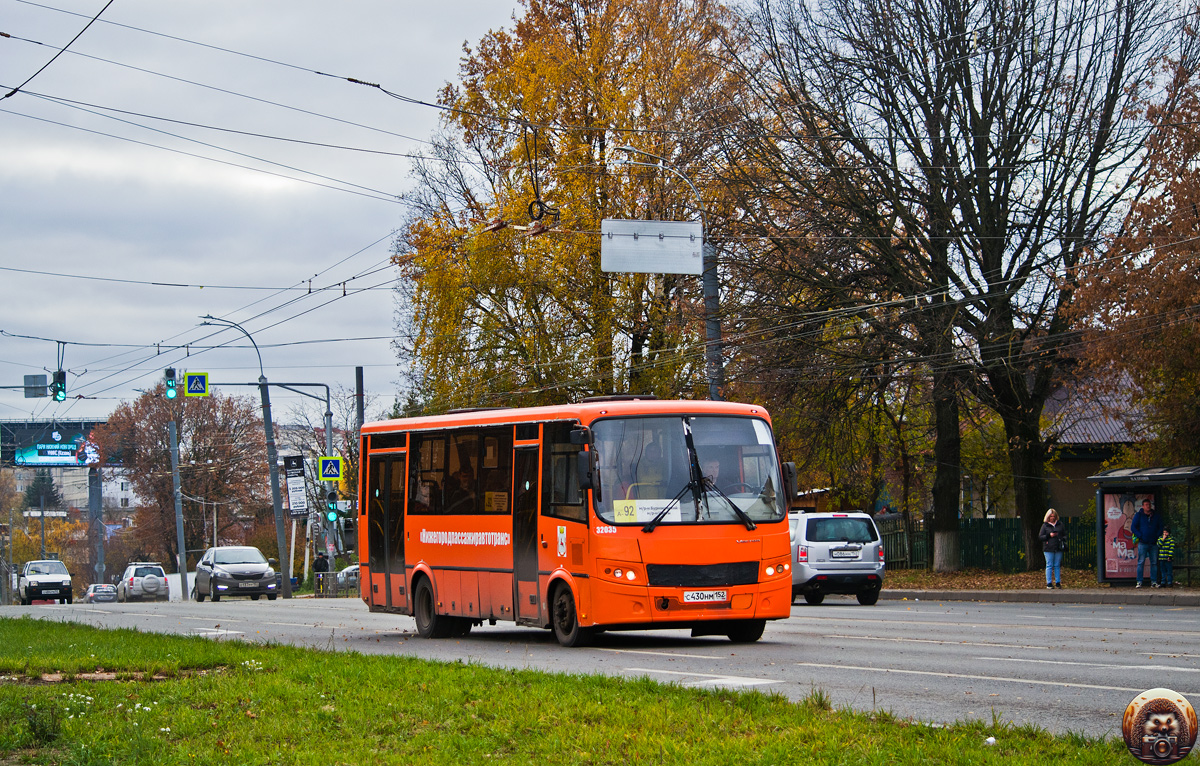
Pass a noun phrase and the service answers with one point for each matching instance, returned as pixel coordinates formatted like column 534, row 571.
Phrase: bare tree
column 965, row 158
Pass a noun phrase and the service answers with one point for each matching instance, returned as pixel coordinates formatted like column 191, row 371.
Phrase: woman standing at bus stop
column 1052, row 545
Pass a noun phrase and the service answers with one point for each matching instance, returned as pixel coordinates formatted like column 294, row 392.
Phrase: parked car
column 44, row 579
column 99, row 593
column 348, row 577
column 236, row 570
column 144, row 580
column 836, row 553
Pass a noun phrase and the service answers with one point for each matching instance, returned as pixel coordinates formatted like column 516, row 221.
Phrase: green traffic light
column 169, row 377
column 331, row 516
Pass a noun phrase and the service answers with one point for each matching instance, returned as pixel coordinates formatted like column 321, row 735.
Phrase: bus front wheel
column 565, row 620
column 429, row 623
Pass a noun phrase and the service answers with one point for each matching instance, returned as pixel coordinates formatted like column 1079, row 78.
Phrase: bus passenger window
column 561, row 470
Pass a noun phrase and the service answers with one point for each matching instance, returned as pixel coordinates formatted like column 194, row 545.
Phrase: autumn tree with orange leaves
column 1144, row 299
column 221, row 460
column 507, row 317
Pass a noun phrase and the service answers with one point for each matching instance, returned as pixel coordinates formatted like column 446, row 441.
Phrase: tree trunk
column 947, row 451
column 1026, row 454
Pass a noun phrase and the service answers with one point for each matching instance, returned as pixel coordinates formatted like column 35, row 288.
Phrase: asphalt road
column 1062, row 667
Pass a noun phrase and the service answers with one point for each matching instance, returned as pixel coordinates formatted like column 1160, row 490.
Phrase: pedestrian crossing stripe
column 195, row 384
column 331, row 469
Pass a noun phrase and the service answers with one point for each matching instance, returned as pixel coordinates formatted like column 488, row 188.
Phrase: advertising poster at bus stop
column 1120, row 552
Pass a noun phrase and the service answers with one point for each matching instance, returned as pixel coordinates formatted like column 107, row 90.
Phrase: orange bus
column 617, row 513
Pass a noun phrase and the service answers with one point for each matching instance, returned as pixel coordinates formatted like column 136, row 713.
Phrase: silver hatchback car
column 836, row 553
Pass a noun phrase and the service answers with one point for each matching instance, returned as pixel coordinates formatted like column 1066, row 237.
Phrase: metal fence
column 992, row 544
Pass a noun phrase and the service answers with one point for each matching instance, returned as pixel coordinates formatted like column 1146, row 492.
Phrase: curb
column 1068, row 596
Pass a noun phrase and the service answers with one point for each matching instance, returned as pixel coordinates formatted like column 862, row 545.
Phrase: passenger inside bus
column 461, row 498
column 648, row 477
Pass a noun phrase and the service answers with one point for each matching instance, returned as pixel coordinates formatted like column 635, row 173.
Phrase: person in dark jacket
column 1147, row 527
column 1053, row 544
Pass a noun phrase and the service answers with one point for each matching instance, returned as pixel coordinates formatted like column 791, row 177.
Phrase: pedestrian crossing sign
column 195, row 384
column 331, row 469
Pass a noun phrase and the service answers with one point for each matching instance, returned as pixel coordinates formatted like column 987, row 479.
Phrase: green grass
column 246, row 703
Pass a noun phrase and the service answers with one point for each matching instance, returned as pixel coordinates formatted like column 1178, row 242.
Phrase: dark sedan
column 235, row 570
column 99, row 593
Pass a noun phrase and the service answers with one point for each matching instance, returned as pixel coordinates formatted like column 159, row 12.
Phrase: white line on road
column 660, row 654
column 710, row 679
column 1169, row 668
column 1001, row 679
column 212, row 633
column 936, row 641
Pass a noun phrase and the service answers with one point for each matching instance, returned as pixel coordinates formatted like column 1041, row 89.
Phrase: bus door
column 385, row 536
column 525, row 542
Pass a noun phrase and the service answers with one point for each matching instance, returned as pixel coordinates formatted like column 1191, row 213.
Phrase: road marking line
column 1123, row 629
column 1170, row 668
column 935, row 641
column 211, row 633
column 977, row 678
column 660, row 654
column 710, row 678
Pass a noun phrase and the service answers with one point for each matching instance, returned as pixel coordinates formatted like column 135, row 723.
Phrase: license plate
column 704, row 596
column 49, row 593
column 247, row 585
column 843, row 554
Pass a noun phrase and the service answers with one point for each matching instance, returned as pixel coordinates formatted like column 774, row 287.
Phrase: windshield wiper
column 710, row 484
column 650, row 525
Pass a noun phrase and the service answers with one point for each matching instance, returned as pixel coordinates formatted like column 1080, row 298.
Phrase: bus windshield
column 687, row 470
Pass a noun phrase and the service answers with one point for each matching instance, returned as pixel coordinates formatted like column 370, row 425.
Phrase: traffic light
column 58, row 389
column 169, row 375
column 331, row 506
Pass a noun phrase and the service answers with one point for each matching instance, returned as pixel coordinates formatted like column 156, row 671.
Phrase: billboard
column 49, row 444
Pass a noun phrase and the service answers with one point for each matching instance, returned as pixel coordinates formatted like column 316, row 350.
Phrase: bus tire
column 747, row 631
column 564, row 619
column 429, row 623
column 460, row 626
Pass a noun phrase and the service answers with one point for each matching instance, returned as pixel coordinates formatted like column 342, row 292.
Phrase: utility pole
column 178, row 494
column 42, row 513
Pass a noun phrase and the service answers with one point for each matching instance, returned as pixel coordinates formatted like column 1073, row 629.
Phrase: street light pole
column 714, row 368
column 276, row 499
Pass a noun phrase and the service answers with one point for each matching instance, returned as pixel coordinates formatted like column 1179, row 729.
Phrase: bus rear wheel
column 565, row 620
column 429, row 623
column 747, row 631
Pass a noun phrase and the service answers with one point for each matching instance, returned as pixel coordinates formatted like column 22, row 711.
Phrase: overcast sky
column 102, row 203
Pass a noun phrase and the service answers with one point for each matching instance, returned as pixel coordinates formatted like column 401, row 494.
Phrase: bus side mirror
column 581, row 436
column 588, row 470
column 789, row 482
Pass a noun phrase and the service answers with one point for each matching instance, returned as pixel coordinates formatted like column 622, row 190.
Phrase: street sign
column 35, row 386
column 331, row 469
column 293, row 469
column 49, row 514
column 651, row 247
column 195, row 384
column 99, row 570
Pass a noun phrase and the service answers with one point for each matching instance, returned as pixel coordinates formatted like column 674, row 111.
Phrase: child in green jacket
column 1166, row 549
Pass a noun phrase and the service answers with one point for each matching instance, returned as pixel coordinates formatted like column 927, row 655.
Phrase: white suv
column 143, row 580
column 44, row 579
column 836, row 553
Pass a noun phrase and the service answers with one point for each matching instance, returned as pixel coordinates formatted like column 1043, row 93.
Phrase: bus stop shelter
column 1119, row 495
